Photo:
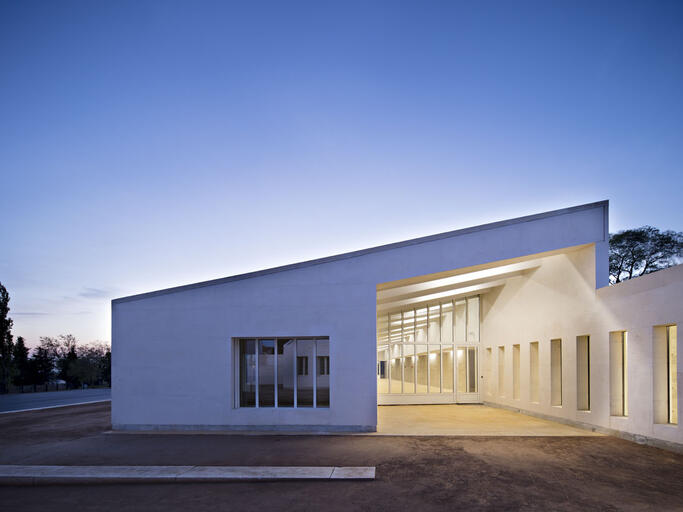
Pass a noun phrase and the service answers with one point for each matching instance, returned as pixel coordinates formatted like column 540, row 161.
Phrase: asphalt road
column 26, row 401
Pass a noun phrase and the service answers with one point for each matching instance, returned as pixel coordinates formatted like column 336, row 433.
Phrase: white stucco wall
column 559, row 300
column 171, row 356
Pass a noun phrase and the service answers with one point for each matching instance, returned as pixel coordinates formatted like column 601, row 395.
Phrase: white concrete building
column 515, row 314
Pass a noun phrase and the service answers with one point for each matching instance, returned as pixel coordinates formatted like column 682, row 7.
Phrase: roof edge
column 363, row 252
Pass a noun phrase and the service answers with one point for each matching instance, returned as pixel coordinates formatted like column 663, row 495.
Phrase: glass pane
column 422, row 367
column 382, row 370
column 395, row 371
column 266, row 373
column 472, row 370
column 409, row 326
column 382, row 329
column 323, row 374
column 460, row 321
column 447, row 323
column 421, row 325
column 247, row 373
column 473, row 319
column 447, row 355
column 304, row 372
column 434, row 330
column 395, row 324
column 461, row 371
column 286, row 353
column 409, row 368
column 435, row 369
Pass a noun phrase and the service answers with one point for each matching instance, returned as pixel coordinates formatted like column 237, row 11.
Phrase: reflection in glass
column 395, row 327
column 323, row 373
column 447, row 322
column 395, row 370
column 266, row 373
column 247, row 373
column 435, row 369
column 434, row 329
column 382, row 370
column 447, row 355
column 416, row 352
column 409, row 368
column 461, row 372
column 472, row 370
column 460, row 321
column 421, row 325
column 286, row 353
column 473, row 319
column 422, row 367
column 305, row 352
column 409, row 326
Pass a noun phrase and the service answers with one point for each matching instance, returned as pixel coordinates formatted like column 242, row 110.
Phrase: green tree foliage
column 21, row 363
column 635, row 252
column 6, row 343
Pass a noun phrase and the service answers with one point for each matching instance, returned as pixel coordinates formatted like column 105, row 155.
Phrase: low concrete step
column 43, row 475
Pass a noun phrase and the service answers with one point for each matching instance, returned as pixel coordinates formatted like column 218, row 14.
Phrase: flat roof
column 363, row 252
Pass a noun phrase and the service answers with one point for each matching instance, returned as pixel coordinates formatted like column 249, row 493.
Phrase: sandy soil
column 413, row 473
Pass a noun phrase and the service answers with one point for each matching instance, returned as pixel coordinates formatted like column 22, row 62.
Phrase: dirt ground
column 413, row 473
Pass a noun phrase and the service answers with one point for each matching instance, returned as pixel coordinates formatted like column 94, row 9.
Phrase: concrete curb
column 87, row 475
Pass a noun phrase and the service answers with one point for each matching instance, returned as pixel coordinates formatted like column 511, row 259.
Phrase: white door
column 467, row 375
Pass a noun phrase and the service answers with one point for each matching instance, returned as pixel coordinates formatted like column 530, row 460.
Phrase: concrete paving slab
column 241, row 473
column 43, row 475
column 354, row 473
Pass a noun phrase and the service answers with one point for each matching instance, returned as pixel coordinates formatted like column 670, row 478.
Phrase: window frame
column 257, row 339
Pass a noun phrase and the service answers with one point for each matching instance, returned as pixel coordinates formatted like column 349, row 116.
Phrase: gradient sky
column 151, row 144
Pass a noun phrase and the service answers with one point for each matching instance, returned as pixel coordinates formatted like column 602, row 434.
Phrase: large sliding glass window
column 418, row 348
column 283, row 372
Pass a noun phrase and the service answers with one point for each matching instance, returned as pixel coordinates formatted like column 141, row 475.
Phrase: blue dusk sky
column 150, row 144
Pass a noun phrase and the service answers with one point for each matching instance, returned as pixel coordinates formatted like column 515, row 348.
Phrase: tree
column 62, row 351
column 65, row 365
column 20, row 356
column 635, row 252
column 41, row 366
column 6, row 343
column 90, row 367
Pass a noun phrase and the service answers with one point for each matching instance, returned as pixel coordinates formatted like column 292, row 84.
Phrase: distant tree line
column 55, row 358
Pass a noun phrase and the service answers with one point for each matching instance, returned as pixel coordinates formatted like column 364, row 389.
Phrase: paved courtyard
column 466, row 420
column 413, row 473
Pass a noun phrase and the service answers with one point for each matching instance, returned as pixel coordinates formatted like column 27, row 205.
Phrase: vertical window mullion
column 415, row 356
column 296, row 372
column 275, row 400
column 256, row 345
column 400, row 355
column 429, row 380
column 315, row 374
column 440, row 348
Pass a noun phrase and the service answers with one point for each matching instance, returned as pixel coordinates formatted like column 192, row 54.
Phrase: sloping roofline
column 363, row 252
